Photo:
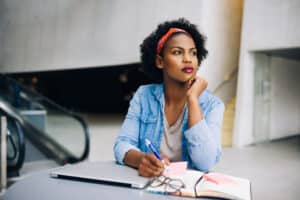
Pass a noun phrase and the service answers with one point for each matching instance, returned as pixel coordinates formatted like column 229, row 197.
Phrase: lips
column 188, row 69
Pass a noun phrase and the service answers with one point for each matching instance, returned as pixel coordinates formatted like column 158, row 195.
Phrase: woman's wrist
column 192, row 99
column 195, row 114
column 133, row 158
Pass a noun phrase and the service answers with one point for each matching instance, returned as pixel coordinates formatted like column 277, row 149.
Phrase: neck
column 175, row 93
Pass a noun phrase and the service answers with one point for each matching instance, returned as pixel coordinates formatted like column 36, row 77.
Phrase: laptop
column 108, row 172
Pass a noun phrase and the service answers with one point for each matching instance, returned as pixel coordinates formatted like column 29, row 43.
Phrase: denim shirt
column 201, row 143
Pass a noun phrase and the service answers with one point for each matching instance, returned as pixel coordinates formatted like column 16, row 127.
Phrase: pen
column 154, row 151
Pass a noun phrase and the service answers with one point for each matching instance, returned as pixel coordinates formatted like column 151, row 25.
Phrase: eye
column 194, row 53
column 176, row 52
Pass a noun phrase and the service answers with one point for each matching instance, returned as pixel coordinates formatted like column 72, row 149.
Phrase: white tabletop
column 41, row 186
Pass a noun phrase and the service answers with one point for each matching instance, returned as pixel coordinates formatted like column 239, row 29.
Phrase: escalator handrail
column 50, row 147
column 21, row 147
column 18, row 158
column 39, row 98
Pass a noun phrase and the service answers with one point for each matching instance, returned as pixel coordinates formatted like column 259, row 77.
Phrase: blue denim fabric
column 201, row 144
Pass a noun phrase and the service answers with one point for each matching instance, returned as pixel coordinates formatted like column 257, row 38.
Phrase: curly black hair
column 149, row 46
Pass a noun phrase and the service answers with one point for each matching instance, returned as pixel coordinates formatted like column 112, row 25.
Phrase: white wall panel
column 285, row 97
column 60, row 34
column 271, row 24
column 267, row 25
column 41, row 35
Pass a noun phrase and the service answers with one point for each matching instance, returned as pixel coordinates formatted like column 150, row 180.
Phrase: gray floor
column 272, row 167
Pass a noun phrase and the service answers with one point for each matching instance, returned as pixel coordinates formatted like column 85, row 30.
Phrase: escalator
column 35, row 123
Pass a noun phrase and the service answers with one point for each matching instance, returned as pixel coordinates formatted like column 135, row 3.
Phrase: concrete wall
column 272, row 24
column 262, row 97
column 221, row 22
column 285, row 97
column 1, row 32
column 61, row 34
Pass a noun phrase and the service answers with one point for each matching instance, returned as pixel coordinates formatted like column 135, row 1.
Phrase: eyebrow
column 182, row 48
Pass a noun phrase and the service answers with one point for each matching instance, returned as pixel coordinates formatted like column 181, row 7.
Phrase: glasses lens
column 159, row 181
column 174, row 185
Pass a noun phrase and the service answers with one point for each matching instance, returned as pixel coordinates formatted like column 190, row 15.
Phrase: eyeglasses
column 197, row 182
column 170, row 185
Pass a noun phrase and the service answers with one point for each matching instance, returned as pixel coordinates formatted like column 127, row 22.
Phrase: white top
column 171, row 140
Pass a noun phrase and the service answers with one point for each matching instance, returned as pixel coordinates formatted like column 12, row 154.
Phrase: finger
column 201, row 79
column 198, row 79
column 148, row 172
column 190, row 83
column 203, row 82
column 148, row 163
column 154, row 161
column 166, row 159
column 153, row 167
column 144, row 170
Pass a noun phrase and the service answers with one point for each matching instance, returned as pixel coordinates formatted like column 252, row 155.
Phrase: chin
column 184, row 80
column 188, row 77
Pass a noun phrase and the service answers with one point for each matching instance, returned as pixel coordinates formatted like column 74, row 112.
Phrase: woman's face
column 179, row 61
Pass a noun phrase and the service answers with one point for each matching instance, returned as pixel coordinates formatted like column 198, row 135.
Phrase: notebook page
column 176, row 168
column 189, row 178
column 238, row 188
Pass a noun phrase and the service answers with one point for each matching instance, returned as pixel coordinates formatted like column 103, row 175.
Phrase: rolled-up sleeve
column 204, row 138
column 129, row 133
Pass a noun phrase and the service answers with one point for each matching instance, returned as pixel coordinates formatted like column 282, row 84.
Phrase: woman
column 180, row 117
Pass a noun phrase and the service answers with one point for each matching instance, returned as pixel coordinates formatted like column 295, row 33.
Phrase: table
column 41, row 186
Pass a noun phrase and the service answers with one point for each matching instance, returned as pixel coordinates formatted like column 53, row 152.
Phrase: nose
column 187, row 58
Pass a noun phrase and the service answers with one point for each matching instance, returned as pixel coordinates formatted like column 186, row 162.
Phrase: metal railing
column 14, row 99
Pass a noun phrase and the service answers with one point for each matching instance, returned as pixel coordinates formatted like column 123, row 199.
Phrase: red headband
column 166, row 36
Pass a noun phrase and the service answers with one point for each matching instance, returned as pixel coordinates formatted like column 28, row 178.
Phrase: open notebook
column 192, row 183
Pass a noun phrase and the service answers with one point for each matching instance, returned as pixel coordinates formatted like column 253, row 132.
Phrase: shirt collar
column 159, row 94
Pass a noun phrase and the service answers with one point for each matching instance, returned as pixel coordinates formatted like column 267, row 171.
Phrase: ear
column 159, row 62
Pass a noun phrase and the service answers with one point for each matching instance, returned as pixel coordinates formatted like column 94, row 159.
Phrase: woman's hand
column 165, row 157
column 150, row 166
column 195, row 87
column 146, row 163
